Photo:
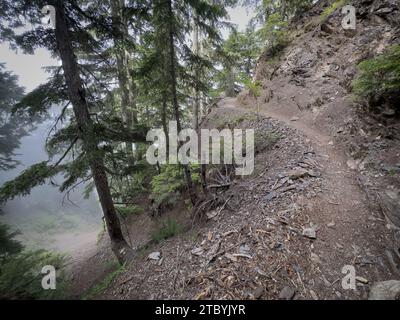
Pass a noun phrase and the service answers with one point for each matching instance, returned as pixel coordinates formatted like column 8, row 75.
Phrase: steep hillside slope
column 324, row 195
column 310, row 82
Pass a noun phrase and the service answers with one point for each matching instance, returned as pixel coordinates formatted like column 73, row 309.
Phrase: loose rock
column 385, row 290
column 287, row 293
column 155, row 255
column 310, row 233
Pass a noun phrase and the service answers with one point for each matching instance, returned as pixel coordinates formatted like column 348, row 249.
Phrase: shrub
column 254, row 87
column 105, row 283
column 379, row 77
column 168, row 185
column 329, row 10
column 20, row 271
column 275, row 33
column 264, row 140
column 21, row 277
column 8, row 245
column 129, row 210
column 169, row 228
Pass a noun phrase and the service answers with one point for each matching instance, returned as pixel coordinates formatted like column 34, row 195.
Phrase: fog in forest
column 48, row 218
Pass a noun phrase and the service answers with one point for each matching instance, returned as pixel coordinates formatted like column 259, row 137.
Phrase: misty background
column 46, row 217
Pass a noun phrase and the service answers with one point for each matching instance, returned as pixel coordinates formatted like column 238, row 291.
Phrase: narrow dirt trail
column 348, row 232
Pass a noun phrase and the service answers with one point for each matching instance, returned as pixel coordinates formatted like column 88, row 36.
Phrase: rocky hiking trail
column 340, row 213
column 286, row 231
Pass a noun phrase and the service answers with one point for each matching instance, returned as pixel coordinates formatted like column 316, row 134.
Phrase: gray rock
column 390, row 169
column 287, row 293
column 389, row 112
column 271, row 195
column 385, row 290
column 384, row 11
column 353, row 164
column 297, row 173
column 155, row 255
column 245, row 249
column 197, row 251
column 258, row 292
column 390, row 204
column 310, row 233
column 326, row 28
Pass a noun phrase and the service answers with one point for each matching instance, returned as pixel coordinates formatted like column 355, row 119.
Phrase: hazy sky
column 240, row 16
column 29, row 68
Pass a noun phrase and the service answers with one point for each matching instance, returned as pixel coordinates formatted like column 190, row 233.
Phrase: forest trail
column 290, row 229
column 286, row 235
column 341, row 213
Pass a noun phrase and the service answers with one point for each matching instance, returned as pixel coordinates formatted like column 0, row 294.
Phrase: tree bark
column 87, row 134
column 125, row 81
column 196, row 51
column 186, row 170
column 164, row 121
column 196, row 100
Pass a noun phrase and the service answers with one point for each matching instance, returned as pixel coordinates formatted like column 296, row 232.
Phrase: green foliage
column 20, row 271
column 238, row 59
column 288, row 8
column 22, row 185
column 254, row 87
column 104, row 284
column 169, row 228
column 8, row 245
column 275, row 33
column 264, row 140
column 20, row 276
column 329, row 10
column 168, row 185
column 43, row 97
column 380, row 77
column 141, row 180
column 12, row 127
column 129, row 210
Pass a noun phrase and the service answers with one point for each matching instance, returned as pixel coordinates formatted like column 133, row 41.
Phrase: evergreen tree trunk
column 87, row 134
column 164, row 121
column 186, row 170
column 230, row 85
column 126, row 83
column 196, row 51
column 196, row 100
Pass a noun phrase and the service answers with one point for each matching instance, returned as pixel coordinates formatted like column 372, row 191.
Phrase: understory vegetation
column 169, row 227
column 330, row 9
column 104, row 284
column 21, row 270
column 378, row 80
